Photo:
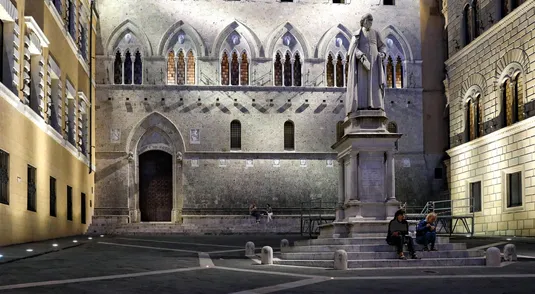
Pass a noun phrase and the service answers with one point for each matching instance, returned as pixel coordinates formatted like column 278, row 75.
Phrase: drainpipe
column 92, row 10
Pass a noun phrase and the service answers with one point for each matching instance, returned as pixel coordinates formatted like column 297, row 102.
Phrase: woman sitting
column 398, row 235
column 426, row 232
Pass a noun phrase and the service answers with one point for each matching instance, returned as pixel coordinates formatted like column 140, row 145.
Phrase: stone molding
column 493, row 137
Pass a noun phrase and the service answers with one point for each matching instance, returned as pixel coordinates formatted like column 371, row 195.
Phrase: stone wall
column 483, row 65
column 261, row 108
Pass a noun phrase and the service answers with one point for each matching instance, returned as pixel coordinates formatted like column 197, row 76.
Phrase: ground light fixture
column 74, row 241
column 101, row 236
column 29, row 250
column 508, row 239
column 54, row 245
column 89, row 238
column 1, row 256
column 468, row 235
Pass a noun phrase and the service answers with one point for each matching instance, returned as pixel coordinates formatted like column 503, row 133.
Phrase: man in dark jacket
column 398, row 235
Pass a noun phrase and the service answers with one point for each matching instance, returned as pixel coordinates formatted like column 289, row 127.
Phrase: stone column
column 390, row 178
column 341, row 190
column 354, row 164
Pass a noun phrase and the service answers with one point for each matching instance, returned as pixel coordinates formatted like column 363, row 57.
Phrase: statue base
column 366, row 121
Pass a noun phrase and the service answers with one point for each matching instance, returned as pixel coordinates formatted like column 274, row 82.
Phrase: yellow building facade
column 46, row 119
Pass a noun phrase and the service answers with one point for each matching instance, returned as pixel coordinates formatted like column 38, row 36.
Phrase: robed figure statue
column 366, row 75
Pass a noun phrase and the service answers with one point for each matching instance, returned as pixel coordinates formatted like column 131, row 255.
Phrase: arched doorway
column 155, row 186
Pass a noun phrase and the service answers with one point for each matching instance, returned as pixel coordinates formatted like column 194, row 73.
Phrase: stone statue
column 366, row 75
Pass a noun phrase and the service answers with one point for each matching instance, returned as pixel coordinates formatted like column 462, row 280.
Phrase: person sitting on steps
column 253, row 211
column 269, row 212
column 398, row 235
column 426, row 232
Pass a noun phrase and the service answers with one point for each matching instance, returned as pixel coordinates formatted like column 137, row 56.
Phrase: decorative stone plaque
column 406, row 162
column 372, row 177
column 115, row 135
column 195, row 136
column 222, row 162
column 276, row 162
column 194, row 162
column 303, row 163
column 249, row 163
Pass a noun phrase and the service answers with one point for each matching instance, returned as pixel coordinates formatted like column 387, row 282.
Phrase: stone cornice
column 486, row 35
column 493, row 137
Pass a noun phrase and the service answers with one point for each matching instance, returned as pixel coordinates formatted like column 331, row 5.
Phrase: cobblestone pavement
column 216, row 264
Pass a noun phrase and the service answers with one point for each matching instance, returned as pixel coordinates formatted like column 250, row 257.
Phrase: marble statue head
column 366, row 21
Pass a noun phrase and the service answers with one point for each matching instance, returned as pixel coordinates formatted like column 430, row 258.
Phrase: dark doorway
column 155, row 186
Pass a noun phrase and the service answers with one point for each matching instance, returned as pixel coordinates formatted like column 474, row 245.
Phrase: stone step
column 354, row 241
column 382, row 255
column 366, row 248
column 392, row 263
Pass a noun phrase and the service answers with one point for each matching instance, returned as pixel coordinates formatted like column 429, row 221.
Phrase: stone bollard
column 249, row 249
column 340, row 260
column 509, row 252
column 267, row 255
column 284, row 244
column 493, row 257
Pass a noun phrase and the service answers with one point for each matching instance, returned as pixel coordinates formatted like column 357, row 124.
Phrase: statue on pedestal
column 366, row 74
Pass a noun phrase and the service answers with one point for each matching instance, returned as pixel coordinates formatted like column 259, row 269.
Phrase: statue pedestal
column 366, row 195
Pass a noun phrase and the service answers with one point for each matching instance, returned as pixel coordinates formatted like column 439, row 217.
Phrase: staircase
column 371, row 251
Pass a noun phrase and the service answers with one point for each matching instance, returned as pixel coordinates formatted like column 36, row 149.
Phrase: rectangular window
column 53, row 197
column 71, row 10
column 82, row 208
column 514, row 189
column 389, row 2
column 32, row 189
column 35, row 80
column 338, row 1
column 475, row 197
column 69, row 203
column 71, row 121
column 4, row 177
column 83, row 39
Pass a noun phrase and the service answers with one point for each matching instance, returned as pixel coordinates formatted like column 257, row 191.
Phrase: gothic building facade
column 206, row 106
column 490, row 87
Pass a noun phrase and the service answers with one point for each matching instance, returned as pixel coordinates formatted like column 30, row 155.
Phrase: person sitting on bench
column 426, row 232
column 398, row 235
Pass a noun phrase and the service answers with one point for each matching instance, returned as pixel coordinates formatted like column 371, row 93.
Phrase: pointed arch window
column 330, row 71
column 171, row 72
column 278, row 69
column 339, row 72
column 347, row 66
column 127, row 68
column 235, row 135
column 244, row 69
column 138, row 69
column 390, row 73
column 191, row 68
column 224, row 69
column 287, row 70
column 509, row 103
column 289, row 136
column 297, row 70
column 399, row 73
column 235, row 70
column 475, row 19
column 118, row 69
column 180, row 68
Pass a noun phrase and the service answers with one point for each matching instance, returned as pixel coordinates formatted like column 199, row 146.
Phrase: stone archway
column 155, row 133
column 155, row 186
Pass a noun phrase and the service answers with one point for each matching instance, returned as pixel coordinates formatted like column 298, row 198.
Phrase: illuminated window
column 180, row 68
column 244, row 69
column 339, row 71
column 191, row 68
column 389, row 73
column 224, row 69
column 171, row 72
column 399, row 73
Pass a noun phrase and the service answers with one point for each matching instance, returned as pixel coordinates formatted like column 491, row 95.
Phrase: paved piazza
column 217, row 264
